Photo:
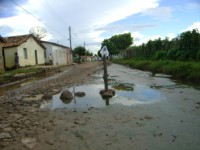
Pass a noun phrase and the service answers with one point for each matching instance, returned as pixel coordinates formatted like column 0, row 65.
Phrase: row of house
column 31, row 51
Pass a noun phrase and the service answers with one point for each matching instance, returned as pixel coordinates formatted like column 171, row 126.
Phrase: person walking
column 50, row 59
column 16, row 61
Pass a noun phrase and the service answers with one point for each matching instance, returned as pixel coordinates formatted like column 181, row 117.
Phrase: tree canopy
column 185, row 46
column 118, row 42
column 80, row 50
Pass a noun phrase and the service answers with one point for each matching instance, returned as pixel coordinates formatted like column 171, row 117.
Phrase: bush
column 160, row 55
column 198, row 56
column 185, row 71
column 171, row 54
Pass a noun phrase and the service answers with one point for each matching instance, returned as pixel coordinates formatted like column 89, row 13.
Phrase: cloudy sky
column 92, row 21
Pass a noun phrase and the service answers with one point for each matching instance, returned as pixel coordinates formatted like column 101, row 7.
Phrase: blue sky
column 92, row 21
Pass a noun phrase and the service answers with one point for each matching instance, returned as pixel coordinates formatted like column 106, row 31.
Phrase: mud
column 172, row 123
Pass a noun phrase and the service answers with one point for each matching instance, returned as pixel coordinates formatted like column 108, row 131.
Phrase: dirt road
column 21, row 117
column 172, row 123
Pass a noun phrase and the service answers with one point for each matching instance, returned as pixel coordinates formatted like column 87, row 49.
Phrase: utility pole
column 84, row 44
column 70, row 42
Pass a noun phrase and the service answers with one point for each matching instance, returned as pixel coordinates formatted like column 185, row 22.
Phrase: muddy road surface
column 147, row 113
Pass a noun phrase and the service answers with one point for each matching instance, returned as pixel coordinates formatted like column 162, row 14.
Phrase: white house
column 61, row 54
column 29, row 49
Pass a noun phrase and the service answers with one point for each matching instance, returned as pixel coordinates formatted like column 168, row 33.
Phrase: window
column 25, row 54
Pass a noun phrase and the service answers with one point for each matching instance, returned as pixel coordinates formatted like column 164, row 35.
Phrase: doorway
column 36, row 58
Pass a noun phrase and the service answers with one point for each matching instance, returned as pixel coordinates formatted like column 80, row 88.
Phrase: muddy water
column 15, row 85
column 132, row 87
column 154, row 110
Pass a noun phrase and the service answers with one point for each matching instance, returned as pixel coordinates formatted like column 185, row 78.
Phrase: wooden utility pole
column 106, row 93
column 105, row 76
column 70, row 42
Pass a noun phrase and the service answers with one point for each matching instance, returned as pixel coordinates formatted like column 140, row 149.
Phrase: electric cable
column 37, row 18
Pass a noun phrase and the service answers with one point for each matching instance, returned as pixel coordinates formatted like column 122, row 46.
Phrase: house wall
column 48, row 51
column 69, row 56
column 59, row 54
column 9, row 56
column 31, row 45
column 1, row 59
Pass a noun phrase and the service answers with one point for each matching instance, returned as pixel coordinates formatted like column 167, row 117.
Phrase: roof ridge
column 54, row 43
column 12, row 41
column 17, row 36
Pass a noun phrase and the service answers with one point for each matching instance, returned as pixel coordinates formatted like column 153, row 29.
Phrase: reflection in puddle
column 5, row 89
column 66, row 101
column 123, row 87
column 91, row 99
column 12, row 86
column 125, row 94
column 140, row 95
column 15, row 85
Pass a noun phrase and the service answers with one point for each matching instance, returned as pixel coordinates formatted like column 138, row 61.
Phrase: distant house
column 86, row 58
column 61, row 54
column 94, row 58
column 29, row 49
column 89, row 58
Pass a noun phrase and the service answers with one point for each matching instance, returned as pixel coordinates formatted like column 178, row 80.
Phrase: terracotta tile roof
column 1, row 39
column 13, row 41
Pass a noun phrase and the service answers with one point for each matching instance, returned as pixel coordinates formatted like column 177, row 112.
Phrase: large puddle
column 125, row 93
column 18, row 84
column 132, row 87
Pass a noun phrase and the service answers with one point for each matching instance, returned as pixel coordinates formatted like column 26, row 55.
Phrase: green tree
column 80, row 50
column 189, row 43
column 99, row 54
column 122, row 41
column 185, row 46
column 88, row 53
column 118, row 42
column 160, row 55
column 110, row 45
column 166, row 44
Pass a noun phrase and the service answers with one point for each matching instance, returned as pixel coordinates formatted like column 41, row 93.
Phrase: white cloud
column 193, row 5
column 144, row 39
column 195, row 25
column 83, row 16
column 160, row 13
column 139, row 38
column 48, row 37
column 119, row 28
column 171, row 35
column 20, row 24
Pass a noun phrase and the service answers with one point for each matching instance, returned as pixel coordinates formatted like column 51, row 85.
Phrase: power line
column 36, row 18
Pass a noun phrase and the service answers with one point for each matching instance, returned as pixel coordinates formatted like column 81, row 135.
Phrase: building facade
column 61, row 54
column 29, row 49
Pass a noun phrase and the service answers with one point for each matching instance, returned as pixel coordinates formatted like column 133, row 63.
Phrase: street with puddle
column 151, row 109
column 132, row 87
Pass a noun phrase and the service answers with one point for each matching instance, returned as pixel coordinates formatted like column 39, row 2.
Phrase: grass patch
column 185, row 71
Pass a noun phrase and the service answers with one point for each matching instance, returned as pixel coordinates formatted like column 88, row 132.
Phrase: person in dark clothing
column 16, row 60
